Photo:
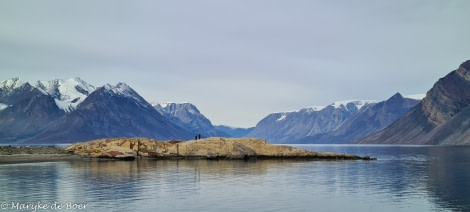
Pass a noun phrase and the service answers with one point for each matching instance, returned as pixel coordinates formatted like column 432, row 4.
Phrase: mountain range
column 442, row 117
column 339, row 122
column 65, row 111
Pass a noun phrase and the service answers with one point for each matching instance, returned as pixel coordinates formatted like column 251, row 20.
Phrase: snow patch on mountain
column 11, row 83
column 68, row 94
column 358, row 103
column 283, row 117
column 163, row 105
column 317, row 108
column 3, row 106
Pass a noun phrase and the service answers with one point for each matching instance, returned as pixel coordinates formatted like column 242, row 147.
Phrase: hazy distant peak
column 168, row 104
column 358, row 103
column 175, row 107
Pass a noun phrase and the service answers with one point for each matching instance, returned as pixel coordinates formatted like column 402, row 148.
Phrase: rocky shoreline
column 143, row 148
column 14, row 150
column 27, row 154
column 209, row 148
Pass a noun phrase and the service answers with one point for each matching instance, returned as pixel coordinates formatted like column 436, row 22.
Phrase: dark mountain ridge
column 440, row 118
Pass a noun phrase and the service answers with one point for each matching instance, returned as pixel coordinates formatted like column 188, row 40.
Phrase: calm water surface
column 404, row 178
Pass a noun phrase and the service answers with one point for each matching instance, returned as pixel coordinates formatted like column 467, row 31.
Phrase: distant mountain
column 442, row 117
column 187, row 116
column 234, row 132
column 291, row 126
column 112, row 111
column 365, row 122
column 25, row 111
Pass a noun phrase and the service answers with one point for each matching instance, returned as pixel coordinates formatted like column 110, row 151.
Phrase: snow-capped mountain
column 68, row 94
column 112, row 111
column 187, row 116
column 72, row 110
column 365, row 122
column 288, row 126
column 25, row 111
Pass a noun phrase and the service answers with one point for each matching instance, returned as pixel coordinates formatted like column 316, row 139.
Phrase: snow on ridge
column 359, row 103
column 121, row 88
column 283, row 117
column 166, row 104
column 11, row 83
column 317, row 108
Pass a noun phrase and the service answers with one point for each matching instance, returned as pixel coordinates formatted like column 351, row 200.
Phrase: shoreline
column 31, row 154
column 37, row 158
column 118, row 149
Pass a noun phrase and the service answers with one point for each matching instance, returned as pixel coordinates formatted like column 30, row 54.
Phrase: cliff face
column 440, row 118
column 211, row 148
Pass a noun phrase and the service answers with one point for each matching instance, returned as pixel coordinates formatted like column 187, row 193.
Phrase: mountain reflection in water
column 404, row 178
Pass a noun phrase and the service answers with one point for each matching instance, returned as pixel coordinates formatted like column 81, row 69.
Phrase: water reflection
column 448, row 177
column 403, row 179
column 23, row 181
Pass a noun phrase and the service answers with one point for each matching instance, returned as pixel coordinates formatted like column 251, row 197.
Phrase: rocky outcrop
column 210, row 148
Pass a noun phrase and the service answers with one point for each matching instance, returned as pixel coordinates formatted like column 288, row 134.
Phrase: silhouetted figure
column 195, row 137
column 198, row 136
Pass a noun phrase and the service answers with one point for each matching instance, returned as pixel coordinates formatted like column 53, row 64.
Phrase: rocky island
column 209, row 148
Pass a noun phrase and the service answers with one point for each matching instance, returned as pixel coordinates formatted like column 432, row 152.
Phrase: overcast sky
column 238, row 61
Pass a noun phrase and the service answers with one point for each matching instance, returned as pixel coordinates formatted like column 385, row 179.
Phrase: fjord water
column 404, row 178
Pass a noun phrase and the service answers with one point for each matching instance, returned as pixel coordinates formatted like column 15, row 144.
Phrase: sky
column 238, row 61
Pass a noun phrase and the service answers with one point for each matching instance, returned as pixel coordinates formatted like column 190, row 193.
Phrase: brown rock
column 211, row 148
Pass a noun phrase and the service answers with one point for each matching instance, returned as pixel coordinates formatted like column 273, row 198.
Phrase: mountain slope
column 366, row 122
column 112, row 111
column 426, row 123
column 291, row 126
column 26, row 111
column 188, row 117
